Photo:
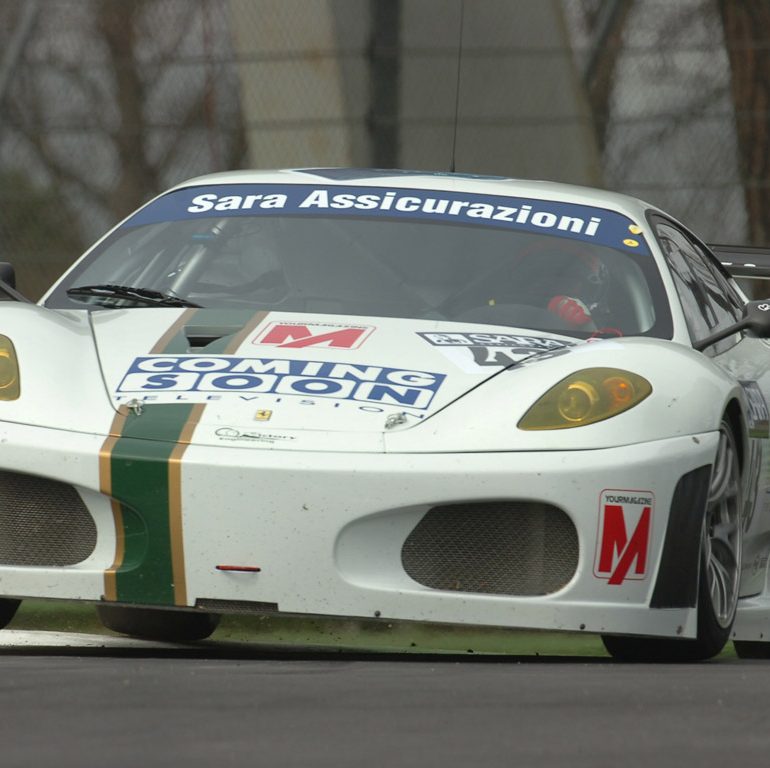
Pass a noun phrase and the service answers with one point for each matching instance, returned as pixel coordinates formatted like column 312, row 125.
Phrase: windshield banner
column 577, row 222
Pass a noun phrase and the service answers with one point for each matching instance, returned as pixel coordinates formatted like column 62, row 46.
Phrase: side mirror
column 756, row 319
column 7, row 273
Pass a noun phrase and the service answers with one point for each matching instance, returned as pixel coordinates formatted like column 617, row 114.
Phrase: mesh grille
column 235, row 606
column 43, row 522
column 502, row 548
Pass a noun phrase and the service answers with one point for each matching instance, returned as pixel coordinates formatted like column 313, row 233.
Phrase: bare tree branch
column 745, row 28
column 138, row 180
column 608, row 22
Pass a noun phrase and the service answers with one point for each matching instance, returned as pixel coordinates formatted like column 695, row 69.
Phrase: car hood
column 288, row 380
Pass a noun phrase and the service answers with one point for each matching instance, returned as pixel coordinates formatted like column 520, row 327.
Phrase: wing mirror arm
column 7, row 274
column 8, row 290
column 756, row 320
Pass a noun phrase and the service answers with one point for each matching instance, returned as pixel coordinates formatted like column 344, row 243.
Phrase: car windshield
column 426, row 268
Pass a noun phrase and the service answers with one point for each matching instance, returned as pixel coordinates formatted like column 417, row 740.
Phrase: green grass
column 413, row 637
column 363, row 635
column 57, row 616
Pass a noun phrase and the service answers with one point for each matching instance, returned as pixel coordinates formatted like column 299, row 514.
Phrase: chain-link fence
column 104, row 103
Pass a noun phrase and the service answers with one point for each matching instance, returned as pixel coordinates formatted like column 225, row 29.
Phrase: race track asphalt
column 219, row 705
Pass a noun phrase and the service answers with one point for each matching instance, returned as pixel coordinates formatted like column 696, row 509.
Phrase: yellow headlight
column 9, row 370
column 586, row 397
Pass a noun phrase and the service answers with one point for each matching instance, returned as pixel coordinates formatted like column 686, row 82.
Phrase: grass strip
column 362, row 635
column 365, row 634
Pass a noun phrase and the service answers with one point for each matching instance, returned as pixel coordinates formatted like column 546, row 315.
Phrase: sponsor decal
column 234, row 435
column 263, row 415
column 296, row 335
column 508, row 340
column 569, row 220
column 473, row 351
column 199, row 378
column 529, row 214
column 759, row 417
column 625, row 522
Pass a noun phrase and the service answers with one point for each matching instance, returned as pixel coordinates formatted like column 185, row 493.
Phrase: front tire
column 158, row 624
column 8, row 610
column 720, row 569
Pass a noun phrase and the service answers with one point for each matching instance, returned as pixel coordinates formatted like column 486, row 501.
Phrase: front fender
column 689, row 396
column 61, row 382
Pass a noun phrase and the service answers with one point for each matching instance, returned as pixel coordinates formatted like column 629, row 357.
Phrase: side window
column 728, row 292
column 708, row 300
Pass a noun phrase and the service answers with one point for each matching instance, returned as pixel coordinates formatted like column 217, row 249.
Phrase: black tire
column 168, row 626
column 8, row 610
column 720, row 569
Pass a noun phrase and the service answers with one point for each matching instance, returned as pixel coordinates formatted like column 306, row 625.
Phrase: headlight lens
column 9, row 370
column 586, row 397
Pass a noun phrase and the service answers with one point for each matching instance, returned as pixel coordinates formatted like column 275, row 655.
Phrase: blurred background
column 105, row 103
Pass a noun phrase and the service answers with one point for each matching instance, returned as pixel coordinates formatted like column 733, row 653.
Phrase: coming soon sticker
column 197, row 377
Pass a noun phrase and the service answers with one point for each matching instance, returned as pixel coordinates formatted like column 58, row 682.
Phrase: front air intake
column 43, row 522
column 501, row 548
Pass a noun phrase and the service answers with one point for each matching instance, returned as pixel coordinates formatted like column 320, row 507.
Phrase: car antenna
column 457, row 84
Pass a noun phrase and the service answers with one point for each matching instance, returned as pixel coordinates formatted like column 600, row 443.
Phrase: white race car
column 413, row 396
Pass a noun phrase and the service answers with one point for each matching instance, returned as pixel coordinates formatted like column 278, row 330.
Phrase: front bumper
column 322, row 533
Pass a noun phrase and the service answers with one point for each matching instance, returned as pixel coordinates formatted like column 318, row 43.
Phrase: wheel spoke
column 718, row 589
column 722, row 533
column 721, row 473
column 722, row 588
column 725, row 533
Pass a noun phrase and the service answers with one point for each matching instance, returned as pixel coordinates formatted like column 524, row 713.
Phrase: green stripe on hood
column 142, row 474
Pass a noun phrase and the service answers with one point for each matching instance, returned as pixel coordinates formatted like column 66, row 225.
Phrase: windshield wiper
column 142, row 295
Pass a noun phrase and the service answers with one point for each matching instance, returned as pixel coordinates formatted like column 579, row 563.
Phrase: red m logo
column 617, row 551
column 294, row 335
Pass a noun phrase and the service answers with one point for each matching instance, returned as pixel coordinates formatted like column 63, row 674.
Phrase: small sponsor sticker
column 474, row 351
column 231, row 434
column 298, row 335
column 623, row 542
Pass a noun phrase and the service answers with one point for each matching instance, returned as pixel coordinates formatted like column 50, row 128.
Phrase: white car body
column 291, row 482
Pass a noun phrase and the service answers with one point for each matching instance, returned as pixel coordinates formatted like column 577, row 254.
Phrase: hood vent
column 200, row 336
